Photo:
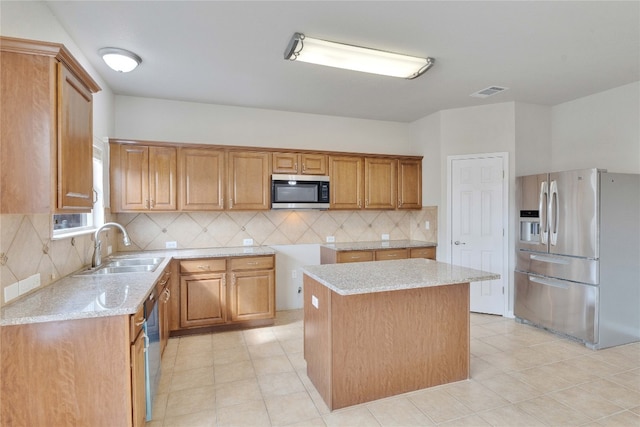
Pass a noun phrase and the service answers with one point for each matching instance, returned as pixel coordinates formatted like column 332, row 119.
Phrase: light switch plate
column 314, row 301
column 426, row 225
column 331, row 239
column 385, row 237
column 247, row 242
column 170, row 245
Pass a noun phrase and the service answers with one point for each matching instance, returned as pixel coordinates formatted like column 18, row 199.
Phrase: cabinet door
column 409, row 184
column 389, row 254
column 162, row 178
column 249, row 181
column 75, row 143
column 134, row 177
column 202, row 300
column 429, row 253
column 138, row 388
column 346, row 177
column 313, row 164
column 380, row 183
column 354, row 256
column 201, row 177
column 285, row 163
column 252, row 295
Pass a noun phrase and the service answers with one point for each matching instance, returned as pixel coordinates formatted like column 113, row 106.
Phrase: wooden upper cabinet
column 143, row 178
column 346, row 182
column 249, row 181
column 46, row 129
column 410, row 184
column 380, row 183
column 201, row 179
column 75, row 143
column 303, row 164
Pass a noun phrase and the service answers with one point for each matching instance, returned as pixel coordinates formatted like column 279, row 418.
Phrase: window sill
column 63, row 234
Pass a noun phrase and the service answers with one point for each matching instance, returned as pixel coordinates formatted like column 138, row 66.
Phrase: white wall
column 163, row 120
column 289, row 259
column 34, row 20
column 532, row 139
column 601, row 130
column 425, row 133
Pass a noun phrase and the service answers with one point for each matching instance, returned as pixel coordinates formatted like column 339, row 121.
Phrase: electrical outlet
column 247, row 242
column 385, row 237
column 331, row 239
column 294, row 274
column 170, row 245
column 109, row 249
column 314, row 301
column 426, row 225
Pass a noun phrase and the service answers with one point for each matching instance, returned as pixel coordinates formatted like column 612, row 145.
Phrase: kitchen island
column 377, row 329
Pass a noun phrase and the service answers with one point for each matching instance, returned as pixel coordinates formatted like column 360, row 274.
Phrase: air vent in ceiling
column 487, row 92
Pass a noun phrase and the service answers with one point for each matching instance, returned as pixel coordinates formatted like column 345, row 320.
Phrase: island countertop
column 369, row 277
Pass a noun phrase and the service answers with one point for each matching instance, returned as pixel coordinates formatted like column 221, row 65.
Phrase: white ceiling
column 231, row 53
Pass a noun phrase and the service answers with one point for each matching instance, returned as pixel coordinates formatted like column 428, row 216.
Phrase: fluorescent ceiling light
column 120, row 60
column 322, row 52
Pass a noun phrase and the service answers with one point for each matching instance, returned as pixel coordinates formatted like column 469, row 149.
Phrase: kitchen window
column 69, row 225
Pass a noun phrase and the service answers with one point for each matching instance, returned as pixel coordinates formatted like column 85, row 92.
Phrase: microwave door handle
column 543, row 202
column 554, row 211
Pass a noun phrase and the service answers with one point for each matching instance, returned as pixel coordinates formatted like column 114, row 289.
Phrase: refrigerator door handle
column 543, row 201
column 551, row 260
column 554, row 211
column 549, row 282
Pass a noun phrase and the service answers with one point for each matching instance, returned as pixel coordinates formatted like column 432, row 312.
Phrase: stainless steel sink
column 125, row 269
column 126, row 265
column 133, row 262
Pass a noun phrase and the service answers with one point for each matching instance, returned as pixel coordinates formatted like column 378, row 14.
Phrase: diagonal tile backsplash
column 151, row 231
column 26, row 247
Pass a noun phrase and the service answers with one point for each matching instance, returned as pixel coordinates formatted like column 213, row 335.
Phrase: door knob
column 458, row 242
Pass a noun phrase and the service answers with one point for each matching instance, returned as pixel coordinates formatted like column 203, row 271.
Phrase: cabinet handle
column 230, row 203
column 304, row 167
column 95, row 196
column 140, row 323
column 222, row 202
column 204, row 267
column 392, row 255
column 295, row 165
column 359, row 203
column 233, row 279
column 399, row 202
column 153, row 203
column 366, row 203
column 252, row 263
column 146, row 203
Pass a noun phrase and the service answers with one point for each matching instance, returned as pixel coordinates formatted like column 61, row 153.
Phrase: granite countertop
column 368, row 277
column 378, row 244
column 83, row 296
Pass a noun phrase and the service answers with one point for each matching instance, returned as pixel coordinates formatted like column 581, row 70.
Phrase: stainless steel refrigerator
column 578, row 255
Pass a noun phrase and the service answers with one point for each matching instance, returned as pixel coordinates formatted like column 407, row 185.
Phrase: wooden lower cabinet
column 333, row 256
column 138, row 383
column 202, row 300
column 71, row 372
column 428, row 253
column 217, row 292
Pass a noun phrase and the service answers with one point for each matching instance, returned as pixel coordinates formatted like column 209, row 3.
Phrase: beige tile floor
column 520, row 376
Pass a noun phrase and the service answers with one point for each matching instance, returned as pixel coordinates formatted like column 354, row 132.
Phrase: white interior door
column 477, row 226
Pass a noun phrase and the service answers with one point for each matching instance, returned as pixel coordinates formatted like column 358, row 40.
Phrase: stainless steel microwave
column 299, row 191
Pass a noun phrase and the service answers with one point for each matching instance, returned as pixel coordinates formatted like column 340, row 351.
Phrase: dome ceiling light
column 120, row 60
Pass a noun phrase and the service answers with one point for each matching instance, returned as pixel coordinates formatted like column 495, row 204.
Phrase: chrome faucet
column 96, row 260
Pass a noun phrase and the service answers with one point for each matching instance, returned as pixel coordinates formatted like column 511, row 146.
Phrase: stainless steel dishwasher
column 152, row 352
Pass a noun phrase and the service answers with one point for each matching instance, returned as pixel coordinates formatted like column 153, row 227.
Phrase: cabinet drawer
column 252, row 263
column 429, row 253
column 354, row 256
column 387, row 254
column 203, row 265
column 136, row 321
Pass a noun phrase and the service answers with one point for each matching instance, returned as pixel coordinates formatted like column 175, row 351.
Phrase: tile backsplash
column 26, row 247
